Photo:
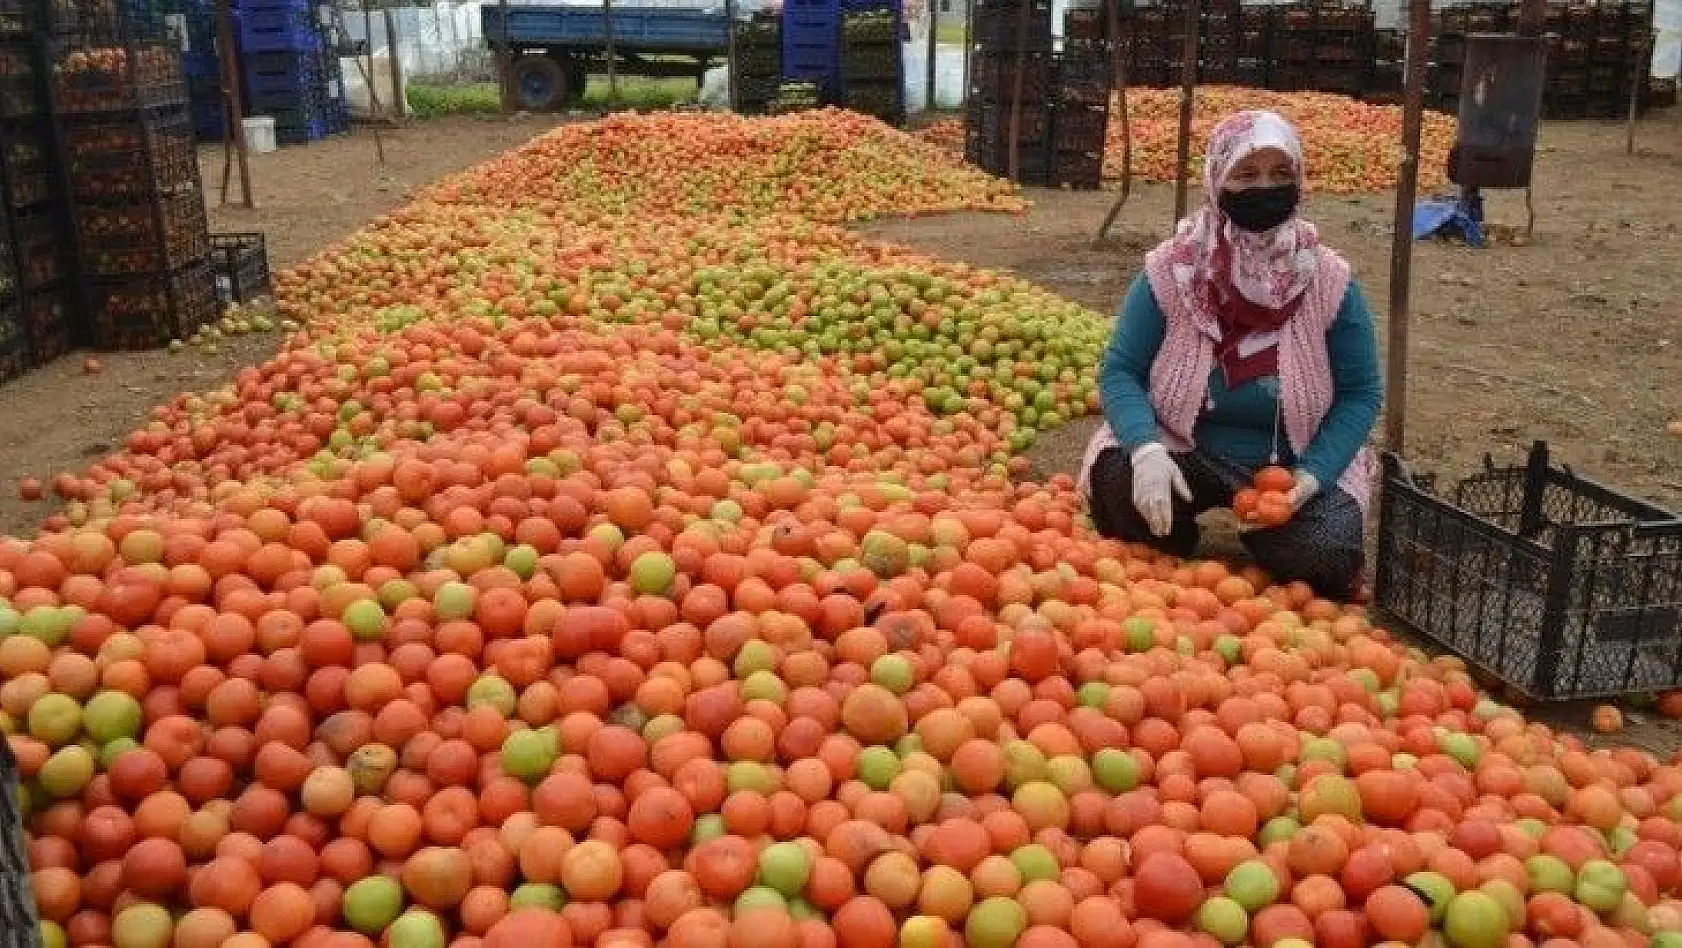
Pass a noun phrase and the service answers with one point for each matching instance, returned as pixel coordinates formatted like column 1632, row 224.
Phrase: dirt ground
column 1572, row 337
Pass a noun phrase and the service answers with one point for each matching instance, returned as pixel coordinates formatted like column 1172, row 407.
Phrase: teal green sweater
column 1239, row 426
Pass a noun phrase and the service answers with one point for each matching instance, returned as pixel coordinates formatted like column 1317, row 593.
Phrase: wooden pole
column 730, row 53
column 1188, row 93
column 399, row 107
column 233, row 108
column 1401, row 238
column 934, row 52
column 1637, row 82
column 612, row 56
column 505, row 61
column 1118, row 78
column 969, row 45
column 1013, row 163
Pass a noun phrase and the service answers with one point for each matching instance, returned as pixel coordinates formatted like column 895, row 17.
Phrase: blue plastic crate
column 201, row 64
column 829, row 7
column 306, row 7
column 263, row 31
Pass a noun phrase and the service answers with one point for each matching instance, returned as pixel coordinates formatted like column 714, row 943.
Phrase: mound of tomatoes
column 611, row 574
column 1349, row 144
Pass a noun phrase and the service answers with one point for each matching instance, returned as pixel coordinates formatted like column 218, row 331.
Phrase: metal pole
column 730, row 52
column 1188, row 93
column 1013, row 162
column 1401, row 238
column 232, row 106
column 612, row 56
column 934, row 50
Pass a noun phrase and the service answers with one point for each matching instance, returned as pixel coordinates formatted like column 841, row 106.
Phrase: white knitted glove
column 1156, row 481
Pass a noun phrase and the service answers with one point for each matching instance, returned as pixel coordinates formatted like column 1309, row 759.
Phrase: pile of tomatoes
column 611, row 574
column 1267, row 501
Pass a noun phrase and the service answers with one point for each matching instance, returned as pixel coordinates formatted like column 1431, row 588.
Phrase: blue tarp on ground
column 1450, row 217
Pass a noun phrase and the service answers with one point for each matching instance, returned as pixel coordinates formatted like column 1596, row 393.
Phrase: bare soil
column 1571, row 336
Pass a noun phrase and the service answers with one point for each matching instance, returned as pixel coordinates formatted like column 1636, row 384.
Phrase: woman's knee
column 1115, row 517
column 1323, row 547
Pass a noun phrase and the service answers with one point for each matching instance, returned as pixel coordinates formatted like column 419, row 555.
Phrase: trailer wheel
column 540, row 85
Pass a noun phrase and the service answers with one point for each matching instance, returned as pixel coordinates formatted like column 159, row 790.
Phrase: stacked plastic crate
column 1080, row 119
column 291, row 74
column 1010, row 56
column 125, row 133
column 38, row 265
column 811, row 51
column 759, row 62
column 872, row 64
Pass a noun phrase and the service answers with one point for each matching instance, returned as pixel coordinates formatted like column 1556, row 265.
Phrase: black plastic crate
column 8, row 264
column 1078, row 171
column 15, row 360
column 993, row 78
column 19, row 19
column 23, row 94
column 1554, row 584
column 883, row 100
column 1080, row 129
column 142, row 234
column 27, row 163
column 147, row 151
column 145, row 311
column 986, row 124
column 1000, row 28
column 870, row 62
column 118, row 77
column 42, row 244
column 242, row 267
column 48, row 324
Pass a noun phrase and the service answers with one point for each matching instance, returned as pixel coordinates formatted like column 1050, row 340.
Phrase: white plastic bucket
column 259, row 135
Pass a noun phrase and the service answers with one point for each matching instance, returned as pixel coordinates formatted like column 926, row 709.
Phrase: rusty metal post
column 233, row 108
column 504, row 61
column 1401, row 238
column 1188, row 94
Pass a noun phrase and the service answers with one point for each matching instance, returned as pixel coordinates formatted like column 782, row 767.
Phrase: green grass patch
column 427, row 100
column 950, row 33
column 640, row 93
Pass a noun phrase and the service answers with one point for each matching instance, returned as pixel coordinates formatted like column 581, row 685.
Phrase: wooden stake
column 1637, row 83
column 1118, row 78
column 729, row 54
column 1401, row 238
column 1188, row 94
column 505, row 61
column 1013, row 163
column 233, row 109
column 399, row 108
column 934, row 51
column 612, row 56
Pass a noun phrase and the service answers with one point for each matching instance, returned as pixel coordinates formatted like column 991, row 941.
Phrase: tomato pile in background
column 1350, row 145
column 615, row 559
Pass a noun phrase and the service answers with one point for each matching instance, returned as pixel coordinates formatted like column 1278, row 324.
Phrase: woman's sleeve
column 1358, row 391
column 1124, row 377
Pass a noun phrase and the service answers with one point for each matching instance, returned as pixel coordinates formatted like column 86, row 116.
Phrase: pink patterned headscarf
column 1209, row 258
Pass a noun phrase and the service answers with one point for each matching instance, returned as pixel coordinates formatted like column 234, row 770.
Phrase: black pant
column 1321, row 545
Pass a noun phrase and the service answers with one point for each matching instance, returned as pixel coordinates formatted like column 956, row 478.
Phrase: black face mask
column 1260, row 209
